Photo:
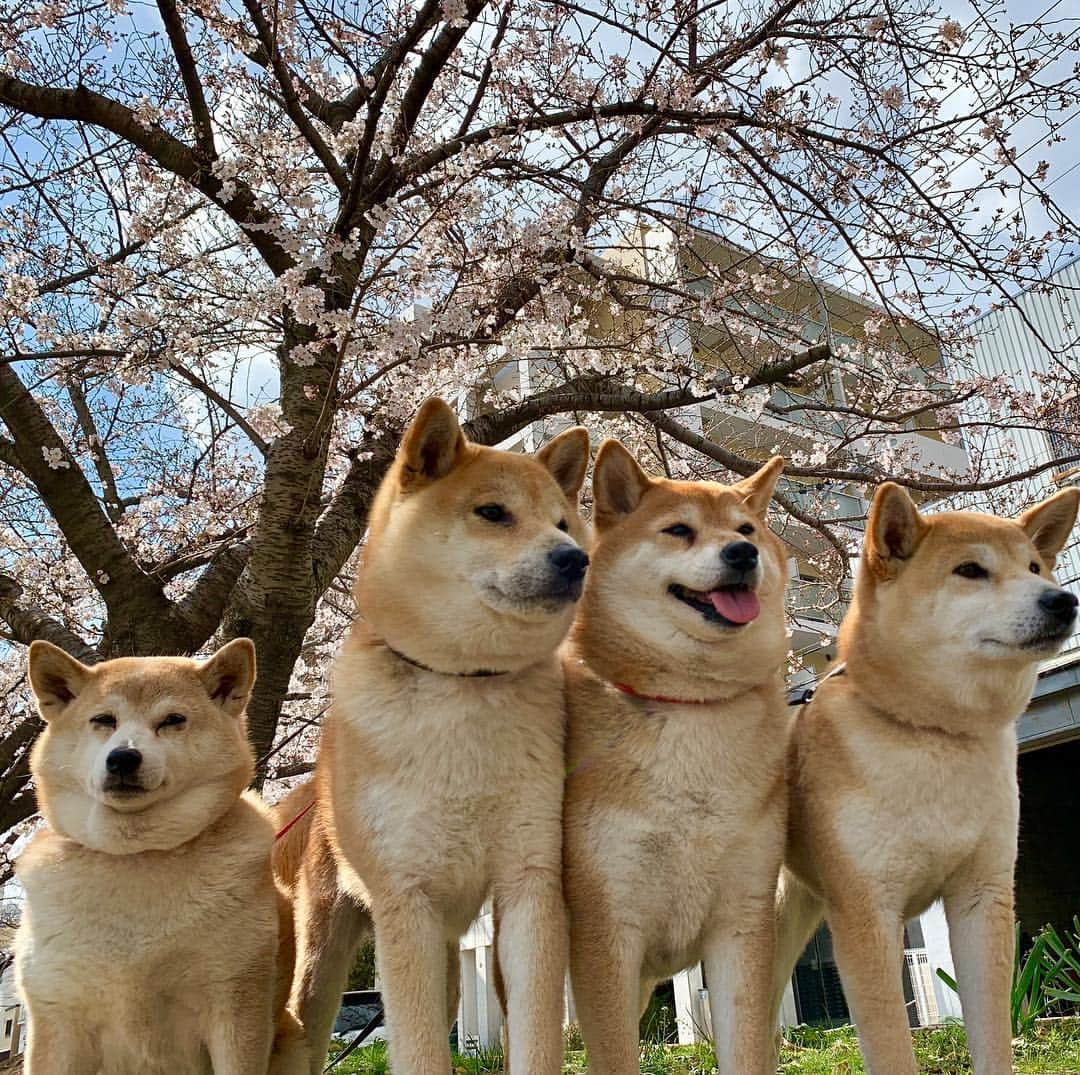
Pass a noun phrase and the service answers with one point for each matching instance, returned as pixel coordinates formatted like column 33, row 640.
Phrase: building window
column 819, row 994
column 1064, row 436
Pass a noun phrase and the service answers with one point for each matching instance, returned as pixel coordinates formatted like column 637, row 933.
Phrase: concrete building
column 1048, row 870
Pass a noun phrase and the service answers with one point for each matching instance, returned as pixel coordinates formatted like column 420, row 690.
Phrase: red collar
column 662, row 697
column 294, row 821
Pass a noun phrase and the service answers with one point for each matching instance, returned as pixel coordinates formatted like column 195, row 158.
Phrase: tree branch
column 200, row 113
column 130, row 595
column 29, row 623
column 224, row 404
column 291, row 101
column 9, row 455
column 113, row 501
column 203, row 605
column 588, row 393
column 83, row 105
column 745, row 467
column 17, row 802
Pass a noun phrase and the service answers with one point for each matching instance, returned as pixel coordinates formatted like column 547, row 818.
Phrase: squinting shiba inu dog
column 903, row 766
column 154, row 940
column 440, row 773
column 675, row 802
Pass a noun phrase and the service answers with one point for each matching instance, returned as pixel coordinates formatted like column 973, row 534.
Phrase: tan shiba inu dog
column 154, row 940
column 675, row 802
column 903, row 766
column 440, row 773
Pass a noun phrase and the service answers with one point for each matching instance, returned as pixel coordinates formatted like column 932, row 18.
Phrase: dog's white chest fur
column 927, row 805
column 127, row 947
column 691, row 833
column 450, row 764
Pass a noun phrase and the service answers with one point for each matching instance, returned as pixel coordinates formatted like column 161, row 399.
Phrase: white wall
column 1007, row 345
column 936, row 938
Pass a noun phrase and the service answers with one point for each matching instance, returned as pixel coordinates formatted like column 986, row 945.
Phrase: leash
column 298, row 817
column 375, row 1021
column 811, row 691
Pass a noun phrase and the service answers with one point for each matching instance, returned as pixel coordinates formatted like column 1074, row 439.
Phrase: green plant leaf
column 948, row 979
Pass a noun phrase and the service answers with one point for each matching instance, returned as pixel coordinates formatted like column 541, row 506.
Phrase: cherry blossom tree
column 242, row 239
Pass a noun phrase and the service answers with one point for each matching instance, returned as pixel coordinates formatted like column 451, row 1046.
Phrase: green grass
column 1052, row 1049
column 372, row 1060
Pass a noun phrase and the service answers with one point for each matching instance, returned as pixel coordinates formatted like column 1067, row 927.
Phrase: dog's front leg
column 606, row 974
column 240, row 1035
column 868, row 942
column 980, row 917
column 531, row 945
column 411, row 950
column 57, row 1045
column 739, row 971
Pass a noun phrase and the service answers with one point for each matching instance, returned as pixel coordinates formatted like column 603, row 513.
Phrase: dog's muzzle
column 122, row 766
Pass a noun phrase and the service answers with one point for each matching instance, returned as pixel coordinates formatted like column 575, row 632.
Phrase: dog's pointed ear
column 229, row 675
column 757, row 490
column 432, row 446
column 619, row 483
column 56, row 678
column 1049, row 524
column 566, row 458
column 894, row 530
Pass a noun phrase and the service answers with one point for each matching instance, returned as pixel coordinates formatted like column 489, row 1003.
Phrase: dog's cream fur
column 903, row 768
column 675, row 813
column 435, row 788
column 154, row 940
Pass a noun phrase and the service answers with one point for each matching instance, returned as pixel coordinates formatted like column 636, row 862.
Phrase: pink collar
column 662, row 697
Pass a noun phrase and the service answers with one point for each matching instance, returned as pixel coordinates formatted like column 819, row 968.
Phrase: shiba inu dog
column 154, row 940
column 440, row 773
column 903, row 765
column 675, row 799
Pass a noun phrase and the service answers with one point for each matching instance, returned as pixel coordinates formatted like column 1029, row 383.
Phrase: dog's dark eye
column 680, row 530
column 494, row 513
column 1034, row 568
column 104, row 720
column 561, row 524
column 971, row 570
column 746, row 529
column 173, row 720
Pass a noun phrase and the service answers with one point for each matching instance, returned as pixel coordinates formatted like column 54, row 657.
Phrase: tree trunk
column 277, row 593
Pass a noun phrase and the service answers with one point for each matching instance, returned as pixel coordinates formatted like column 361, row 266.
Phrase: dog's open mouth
column 734, row 606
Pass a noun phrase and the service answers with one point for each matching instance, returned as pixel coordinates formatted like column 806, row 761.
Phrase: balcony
column 927, row 456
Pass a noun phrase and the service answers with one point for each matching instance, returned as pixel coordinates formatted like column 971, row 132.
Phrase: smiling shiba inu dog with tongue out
column 675, row 803
column 903, row 766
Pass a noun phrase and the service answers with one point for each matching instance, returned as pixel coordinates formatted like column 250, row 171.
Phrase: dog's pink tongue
column 737, row 606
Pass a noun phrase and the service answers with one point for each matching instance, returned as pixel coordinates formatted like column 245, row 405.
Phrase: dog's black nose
column 569, row 561
column 741, row 555
column 123, row 761
column 1060, row 604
